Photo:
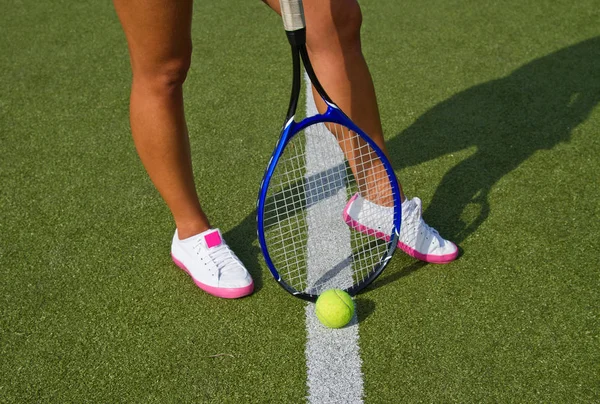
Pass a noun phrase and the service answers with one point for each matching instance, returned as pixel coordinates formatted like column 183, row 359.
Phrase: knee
column 341, row 27
column 163, row 77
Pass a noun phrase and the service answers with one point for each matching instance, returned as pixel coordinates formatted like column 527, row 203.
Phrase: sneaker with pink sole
column 212, row 265
column 417, row 238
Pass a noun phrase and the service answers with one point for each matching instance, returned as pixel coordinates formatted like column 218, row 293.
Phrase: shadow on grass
column 507, row 120
column 244, row 242
column 389, row 277
column 364, row 308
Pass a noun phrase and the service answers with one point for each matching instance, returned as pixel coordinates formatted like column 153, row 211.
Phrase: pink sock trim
column 227, row 293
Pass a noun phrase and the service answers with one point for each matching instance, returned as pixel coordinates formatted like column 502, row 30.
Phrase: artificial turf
column 491, row 116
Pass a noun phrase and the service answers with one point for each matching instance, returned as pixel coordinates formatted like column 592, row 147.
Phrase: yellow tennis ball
column 334, row 308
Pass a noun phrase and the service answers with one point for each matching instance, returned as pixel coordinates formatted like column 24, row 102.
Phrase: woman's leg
column 334, row 47
column 159, row 37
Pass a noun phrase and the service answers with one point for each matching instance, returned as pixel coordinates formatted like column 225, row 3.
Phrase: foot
column 417, row 239
column 421, row 241
column 212, row 265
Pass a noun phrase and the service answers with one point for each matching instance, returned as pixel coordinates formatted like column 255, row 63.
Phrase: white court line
column 332, row 355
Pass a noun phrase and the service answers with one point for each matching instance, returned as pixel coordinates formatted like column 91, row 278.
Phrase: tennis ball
column 334, row 308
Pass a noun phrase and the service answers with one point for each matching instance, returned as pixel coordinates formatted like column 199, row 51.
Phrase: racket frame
column 333, row 114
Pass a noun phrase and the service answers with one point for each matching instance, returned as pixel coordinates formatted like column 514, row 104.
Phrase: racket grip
column 292, row 14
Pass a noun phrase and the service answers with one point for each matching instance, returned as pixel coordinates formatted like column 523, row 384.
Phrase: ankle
column 186, row 230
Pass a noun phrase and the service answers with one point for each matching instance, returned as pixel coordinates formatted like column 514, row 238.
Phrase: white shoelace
column 428, row 228
column 221, row 256
column 417, row 217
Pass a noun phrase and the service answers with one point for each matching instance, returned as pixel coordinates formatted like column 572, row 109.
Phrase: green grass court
column 492, row 118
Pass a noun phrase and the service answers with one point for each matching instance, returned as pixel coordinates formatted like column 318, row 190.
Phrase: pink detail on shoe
column 433, row 259
column 227, row 293
column 213, row 239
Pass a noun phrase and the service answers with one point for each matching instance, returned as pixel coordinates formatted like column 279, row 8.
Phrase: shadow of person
column 506, row 120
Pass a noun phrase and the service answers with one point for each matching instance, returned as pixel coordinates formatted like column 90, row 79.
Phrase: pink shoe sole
column 432, row 259
column 226, row 293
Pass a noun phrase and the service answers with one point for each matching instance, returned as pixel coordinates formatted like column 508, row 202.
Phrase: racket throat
column 296, row 85
column 312, row 76
column 298, row 54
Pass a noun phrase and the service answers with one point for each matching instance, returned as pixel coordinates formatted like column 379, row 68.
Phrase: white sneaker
column 212, row 265
column 421, row 241
column 417, row 239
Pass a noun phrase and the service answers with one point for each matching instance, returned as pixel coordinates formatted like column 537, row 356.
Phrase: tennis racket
column 329, row 210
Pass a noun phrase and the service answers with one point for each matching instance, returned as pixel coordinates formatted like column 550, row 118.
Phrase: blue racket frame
column 334, row 115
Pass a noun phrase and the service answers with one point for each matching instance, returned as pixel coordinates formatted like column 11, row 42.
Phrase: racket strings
column 316, row 234
column 284, row 221
column 367, row 167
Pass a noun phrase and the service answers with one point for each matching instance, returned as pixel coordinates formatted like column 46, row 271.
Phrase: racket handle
column 292, row 14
